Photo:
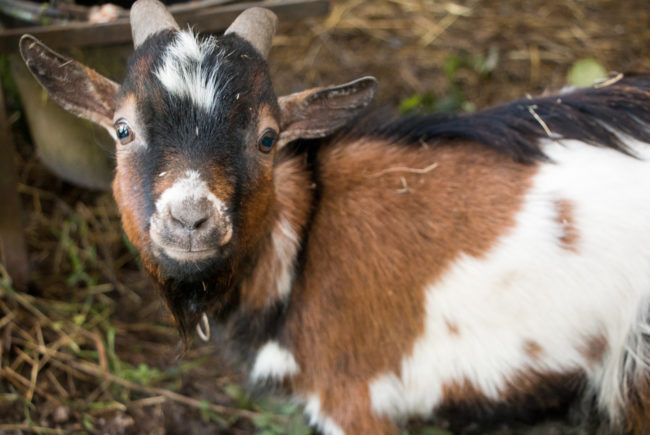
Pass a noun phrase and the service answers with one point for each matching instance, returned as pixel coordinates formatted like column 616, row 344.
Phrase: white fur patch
column 183, row 72
column 325, row 424
column 528, row 288
column 190, row 187
column 286, row 245
column 274, row 362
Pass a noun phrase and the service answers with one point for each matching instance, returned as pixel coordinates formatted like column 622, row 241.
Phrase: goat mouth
column 183, row 264
column 187, row 252
column 182, row 254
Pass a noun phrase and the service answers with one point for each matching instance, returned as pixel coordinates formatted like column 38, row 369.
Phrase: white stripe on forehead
column 183, row 74
column 191, row 186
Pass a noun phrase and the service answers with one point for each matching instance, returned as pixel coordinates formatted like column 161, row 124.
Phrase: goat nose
column 191, row 214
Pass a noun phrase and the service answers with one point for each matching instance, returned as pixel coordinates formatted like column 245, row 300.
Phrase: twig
column 27, row 302
column 75, row 368
column 151, row 328
column 101, row 389
column 101, row 352
column 57, row 385
column 149, row 401
column 429, row 168
column 6, row 319
column 36, row 368
column 13, row 376
column 405, row 187
column 65, row 366
column 610, row 81
column 34, row 363
column 541, row 122
column 30, row 428
column 94, row 370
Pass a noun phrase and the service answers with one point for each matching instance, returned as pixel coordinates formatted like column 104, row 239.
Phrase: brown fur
column 539, row 390
column 452, row 328
column 124, row 189
column 293, row 205
column 637, row 411
column 462, row 206
column 461, row 394
column 353, row 412
column 267, row 118
column 532, row 349
column 570, row 236
column 595, row 349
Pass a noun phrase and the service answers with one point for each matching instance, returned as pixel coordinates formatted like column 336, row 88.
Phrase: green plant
column 454, row 100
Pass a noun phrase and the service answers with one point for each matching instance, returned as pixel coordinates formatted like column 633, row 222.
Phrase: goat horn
column 257, row 26
column 149, row 17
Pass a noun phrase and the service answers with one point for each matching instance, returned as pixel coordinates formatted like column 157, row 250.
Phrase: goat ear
column 319, row 112
column 75, row 87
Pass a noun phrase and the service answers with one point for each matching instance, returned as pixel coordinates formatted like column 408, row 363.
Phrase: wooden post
column 12, row 241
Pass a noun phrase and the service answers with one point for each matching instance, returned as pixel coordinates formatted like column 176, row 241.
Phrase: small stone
column 61, row 414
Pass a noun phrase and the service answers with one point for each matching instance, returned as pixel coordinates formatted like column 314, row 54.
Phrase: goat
column 490, row 264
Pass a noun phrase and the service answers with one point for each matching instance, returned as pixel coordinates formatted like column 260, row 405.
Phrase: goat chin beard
column 188, row 302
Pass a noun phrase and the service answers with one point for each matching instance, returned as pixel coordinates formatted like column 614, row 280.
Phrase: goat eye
column 124, row 132
column 267, row 140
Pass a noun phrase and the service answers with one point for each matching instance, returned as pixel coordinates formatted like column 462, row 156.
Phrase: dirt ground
column 90, row 349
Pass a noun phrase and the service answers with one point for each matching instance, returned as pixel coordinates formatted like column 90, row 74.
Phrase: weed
column 454, row 100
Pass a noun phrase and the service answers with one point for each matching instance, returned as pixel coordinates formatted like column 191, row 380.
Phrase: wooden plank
column 210, row 19
column 13, row 254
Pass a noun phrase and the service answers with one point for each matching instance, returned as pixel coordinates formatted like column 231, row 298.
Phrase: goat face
column 197, row 127
column 197, row 122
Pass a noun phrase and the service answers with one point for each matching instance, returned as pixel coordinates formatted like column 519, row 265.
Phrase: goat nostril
column 189, row 217
column 189, row 222
column 199, row 222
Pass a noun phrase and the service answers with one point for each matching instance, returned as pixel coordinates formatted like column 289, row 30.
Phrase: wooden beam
column 13, row 254
column 204, row 19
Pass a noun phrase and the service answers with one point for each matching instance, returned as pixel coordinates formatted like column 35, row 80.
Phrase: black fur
column 588, row 114
column 555, row 395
